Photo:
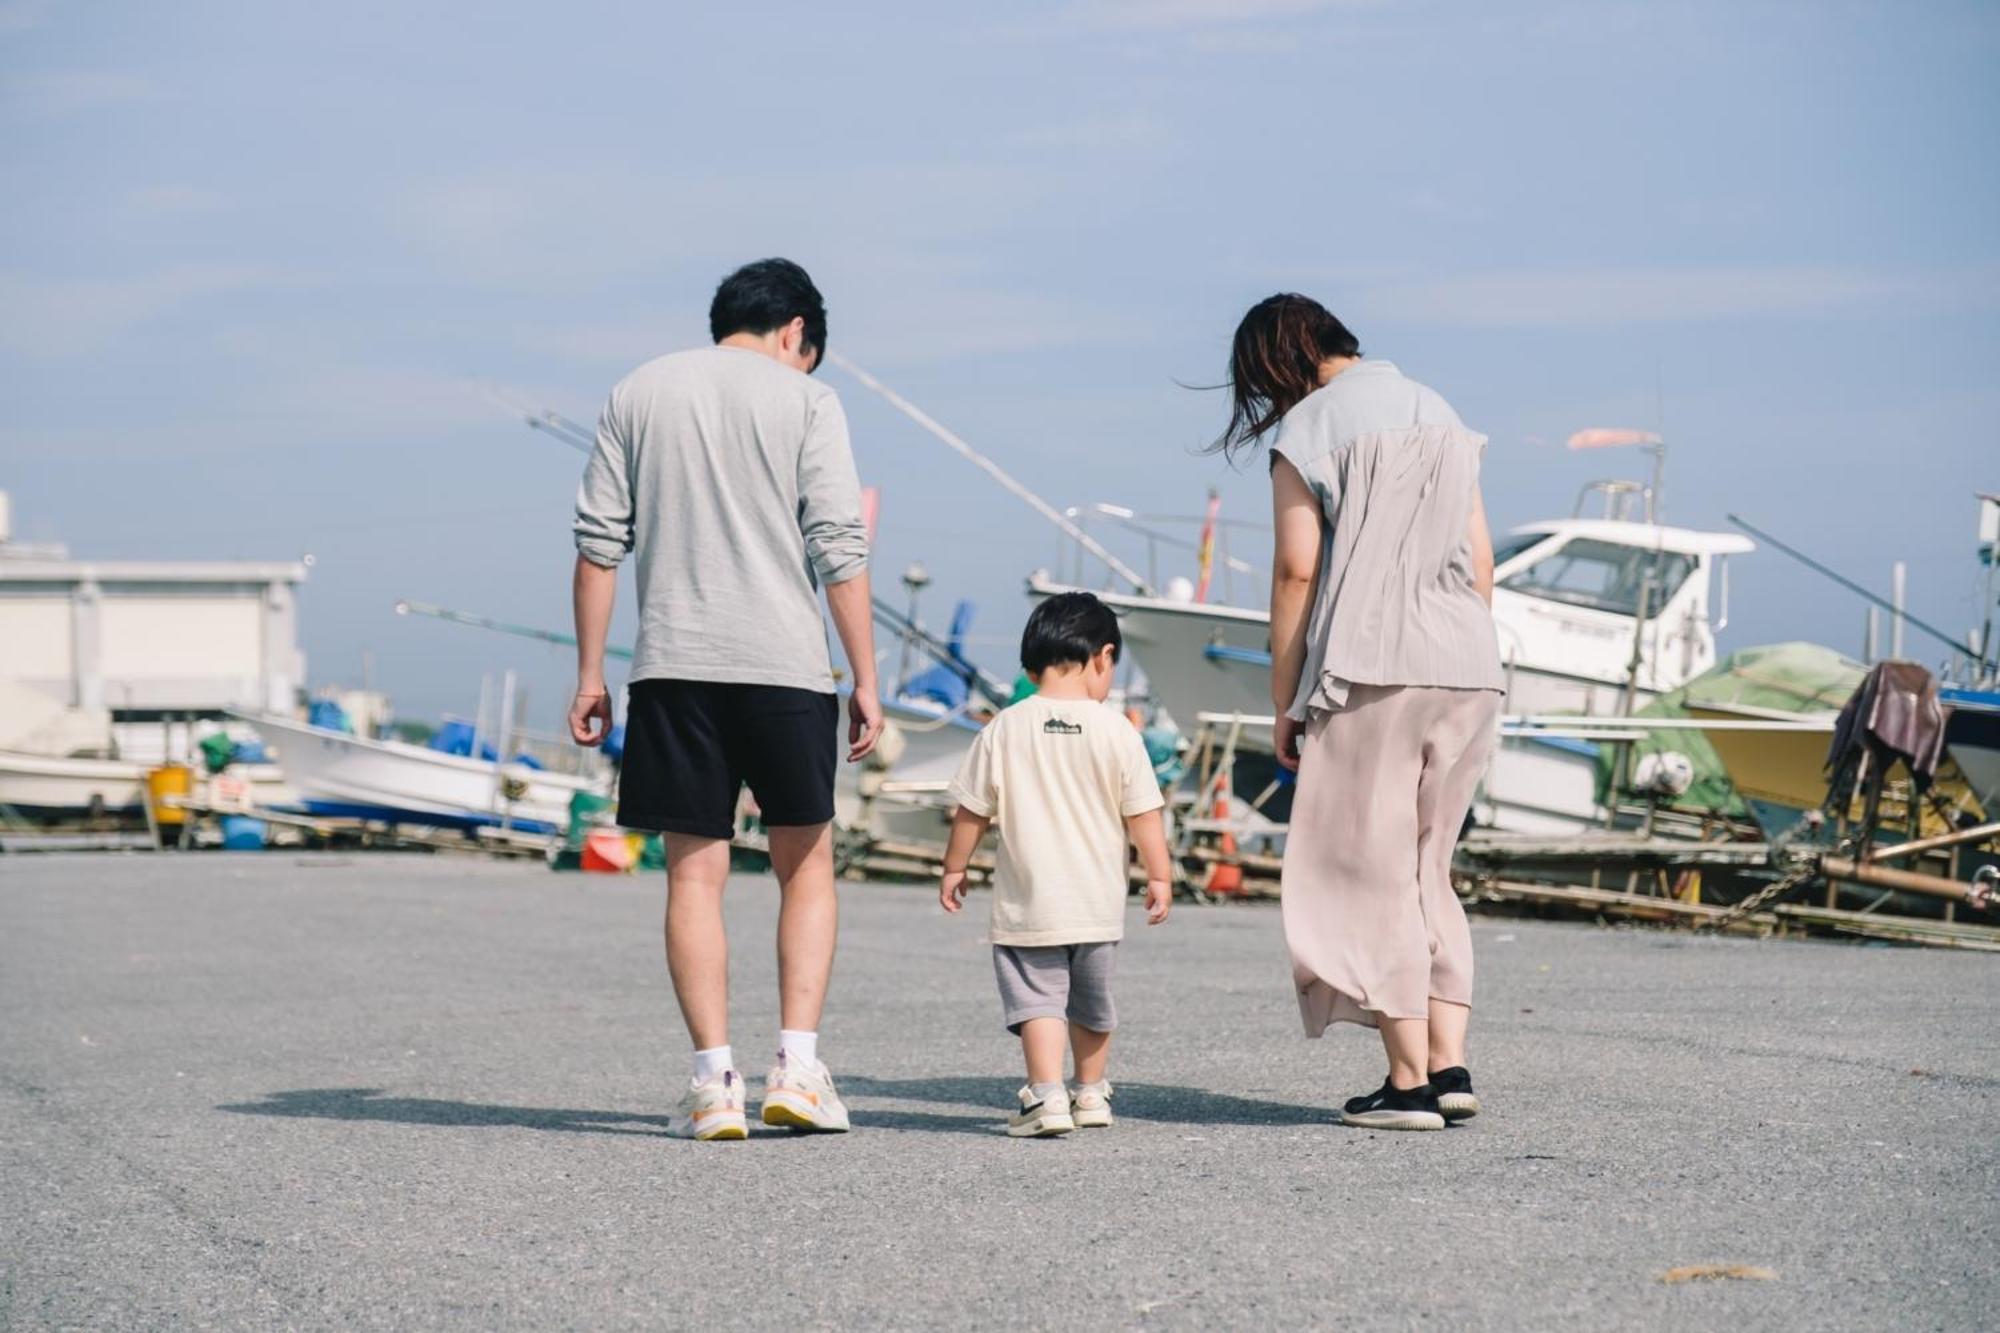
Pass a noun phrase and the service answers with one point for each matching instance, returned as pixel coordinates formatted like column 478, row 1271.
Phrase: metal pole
column 1849, row 584
column 993, row 470
column 506, row 726
column 1898, row 581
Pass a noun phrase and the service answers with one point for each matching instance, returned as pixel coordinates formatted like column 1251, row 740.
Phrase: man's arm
column 593, row 591
column 837, row 543
column 603, row 536
column 853, row 613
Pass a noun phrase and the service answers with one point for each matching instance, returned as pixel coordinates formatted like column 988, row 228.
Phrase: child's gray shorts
column 1071, row 981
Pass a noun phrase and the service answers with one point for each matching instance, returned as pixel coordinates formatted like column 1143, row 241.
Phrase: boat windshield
column 1508, row 547
column 1601, row 575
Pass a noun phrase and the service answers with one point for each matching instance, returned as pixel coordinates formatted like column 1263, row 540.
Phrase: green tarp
column 1782, row 677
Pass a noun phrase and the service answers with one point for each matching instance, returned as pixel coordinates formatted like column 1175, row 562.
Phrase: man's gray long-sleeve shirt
column 731, row 479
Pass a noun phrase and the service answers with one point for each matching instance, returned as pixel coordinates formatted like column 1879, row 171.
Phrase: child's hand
column 951, row 891
column 1159, row 901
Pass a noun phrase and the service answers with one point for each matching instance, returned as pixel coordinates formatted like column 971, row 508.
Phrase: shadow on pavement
column 1162, row 1102
column 1136, row 1101
column 371, row 1104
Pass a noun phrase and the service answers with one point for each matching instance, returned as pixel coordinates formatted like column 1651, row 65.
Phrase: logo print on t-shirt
column 1058, row 726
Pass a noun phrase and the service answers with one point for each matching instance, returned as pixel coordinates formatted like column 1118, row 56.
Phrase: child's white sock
column 711, row 1062
column 1044, row 1091
column 1089, row 1087
column 799, row 1048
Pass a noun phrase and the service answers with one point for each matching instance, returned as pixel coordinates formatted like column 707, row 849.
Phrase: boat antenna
column 995, row 690
column 993, row 470
column 544, row 419
column 1853, row 587
column 406, row 608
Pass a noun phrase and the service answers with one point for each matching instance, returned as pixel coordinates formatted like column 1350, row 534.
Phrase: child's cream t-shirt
column 1058, row 777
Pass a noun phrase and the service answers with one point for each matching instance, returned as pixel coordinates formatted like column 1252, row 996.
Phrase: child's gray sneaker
column 1041, row 1117
column 1090, row 1104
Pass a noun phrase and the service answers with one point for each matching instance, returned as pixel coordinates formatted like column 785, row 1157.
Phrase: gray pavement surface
column 398, row 1092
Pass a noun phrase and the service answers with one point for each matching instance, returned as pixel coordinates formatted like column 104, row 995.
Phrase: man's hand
column 864, row 723
column 951, row 891
column 590, row 716
column 1286, row 736
column 1159, row 901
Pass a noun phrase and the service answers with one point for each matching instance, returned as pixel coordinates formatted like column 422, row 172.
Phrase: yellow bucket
column 168, row 780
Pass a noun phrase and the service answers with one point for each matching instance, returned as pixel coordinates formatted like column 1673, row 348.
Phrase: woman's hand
column 1285, row 736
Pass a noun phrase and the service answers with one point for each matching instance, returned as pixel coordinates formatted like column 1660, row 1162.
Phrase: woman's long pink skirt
column 1385, row 782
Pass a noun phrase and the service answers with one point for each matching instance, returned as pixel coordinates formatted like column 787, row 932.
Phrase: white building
column 86, row 644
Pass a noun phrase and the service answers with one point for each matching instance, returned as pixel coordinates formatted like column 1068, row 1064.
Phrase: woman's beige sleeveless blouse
column 1395, row 472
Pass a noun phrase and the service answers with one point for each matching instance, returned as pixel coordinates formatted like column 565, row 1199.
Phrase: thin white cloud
column 1115, row 133
column 1171, row 15
column 65, row 92
column 171, row 200
column 1587, row 298
column 55, row 317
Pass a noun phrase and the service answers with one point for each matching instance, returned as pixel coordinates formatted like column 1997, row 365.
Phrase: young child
column 1066, row 778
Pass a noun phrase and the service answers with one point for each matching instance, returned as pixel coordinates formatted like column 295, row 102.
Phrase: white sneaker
column 801, row 1097
column 711, row 1110
column 1041, row 1117
column 1090, row 1104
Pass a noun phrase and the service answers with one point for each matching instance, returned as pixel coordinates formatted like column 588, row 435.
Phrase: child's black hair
column 1070, row 627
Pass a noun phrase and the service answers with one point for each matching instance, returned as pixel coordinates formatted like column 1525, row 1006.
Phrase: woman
column 1386, row 678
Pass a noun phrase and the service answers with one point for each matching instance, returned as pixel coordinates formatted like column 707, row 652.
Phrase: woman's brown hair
column 1274, row 362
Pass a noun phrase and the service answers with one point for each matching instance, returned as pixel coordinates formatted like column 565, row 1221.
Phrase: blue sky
column 257, row 262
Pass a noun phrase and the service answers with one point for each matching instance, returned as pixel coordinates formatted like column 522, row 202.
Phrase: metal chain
column 1778, row 888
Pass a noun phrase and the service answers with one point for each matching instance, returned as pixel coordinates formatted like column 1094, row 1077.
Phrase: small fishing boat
column 336, row 773
column 1972, row 738
column 62, row 789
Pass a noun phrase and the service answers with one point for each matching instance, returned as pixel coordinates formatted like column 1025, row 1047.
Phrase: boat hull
column 53, row 789
column 338, row 774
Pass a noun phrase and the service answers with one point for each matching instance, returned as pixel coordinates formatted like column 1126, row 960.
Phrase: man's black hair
column 766, row 295
column 1070, row 627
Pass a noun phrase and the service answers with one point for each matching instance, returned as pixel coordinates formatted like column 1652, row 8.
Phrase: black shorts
column 690, row 745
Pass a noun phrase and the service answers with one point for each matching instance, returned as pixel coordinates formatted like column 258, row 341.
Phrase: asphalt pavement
column 403, row 1092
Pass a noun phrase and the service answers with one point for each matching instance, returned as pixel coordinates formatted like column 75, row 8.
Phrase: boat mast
column 993, row 470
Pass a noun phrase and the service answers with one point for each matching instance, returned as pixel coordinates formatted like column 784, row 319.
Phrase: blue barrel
column 241, row 833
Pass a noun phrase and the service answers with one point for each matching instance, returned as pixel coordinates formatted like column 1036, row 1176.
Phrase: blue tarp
column 455, row 737
column 940, row 683
column 330, row 716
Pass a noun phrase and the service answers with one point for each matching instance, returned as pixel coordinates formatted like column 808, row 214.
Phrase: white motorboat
column 339, row 774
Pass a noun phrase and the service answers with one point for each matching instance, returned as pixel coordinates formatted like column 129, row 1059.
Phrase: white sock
column 1044, row 1091
column 799, row 1048
column 711, row 1062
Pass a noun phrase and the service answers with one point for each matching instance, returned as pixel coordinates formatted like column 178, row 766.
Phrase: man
column 727, row 471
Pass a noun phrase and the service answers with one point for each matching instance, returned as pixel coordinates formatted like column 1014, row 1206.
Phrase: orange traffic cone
column 1225, row 877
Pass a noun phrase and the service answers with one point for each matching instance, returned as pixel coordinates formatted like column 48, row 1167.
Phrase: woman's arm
column 1480, row 540
column 1297, row 526
column 1294, row 571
